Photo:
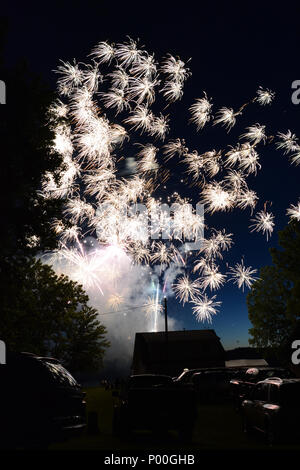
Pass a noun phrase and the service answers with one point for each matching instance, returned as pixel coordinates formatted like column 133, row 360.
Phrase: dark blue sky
column 234, row 50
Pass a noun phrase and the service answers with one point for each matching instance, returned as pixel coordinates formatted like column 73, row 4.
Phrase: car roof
column 278, row 381
column 148, row 375
column 17, row 356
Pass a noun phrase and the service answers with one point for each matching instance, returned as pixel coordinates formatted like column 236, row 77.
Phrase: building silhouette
column 169, row 353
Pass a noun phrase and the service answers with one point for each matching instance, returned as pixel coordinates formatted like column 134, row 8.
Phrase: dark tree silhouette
column 48, row 314
column 39, row 311
column 26, row 157
column 274, row 300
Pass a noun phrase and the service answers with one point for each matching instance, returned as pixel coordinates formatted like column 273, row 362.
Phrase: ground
column 218, row 427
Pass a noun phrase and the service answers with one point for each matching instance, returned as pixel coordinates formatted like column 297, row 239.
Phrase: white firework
column 91, row 78
column 235, row 180
column 99, row 198
column 250, row 162
column 115, row 98
column 94, row 141
column 98, row 180
column 140, row 253
column 175, row 68
column 162, row 254
column 78, row 210
column 195, row 164
column 212, row 278
column 145, row 66
column 159, row 126
column 238, row 153
column 86, row 268
column 241, row 275
column 217, row 198
column 115, row 301
column 71, row 77
column 211, row 162
column 226, row 117
column 141, row 118
column 142, row 89
column 264, row 96
column 246, row 198
column 172, row 91
column 104, row 52
column 82, row 107
column 294, row 211
column 153, row 307
column 200, row 265
column 119, row 78
column 255, row 134
column 127, row 53
column 201, row 112
column 174, row 147
column 186, row 223
column 295, row 158
column 57, row 110
column 147, row 151
column 263, row 222
column 212, row 247
column 224, row 239
column 52, row 190
column 147, row 161
column 57, row 226
column 62, row 142
column 288, row 142
column 204, row 308
column 185, row 289
column 70, row 234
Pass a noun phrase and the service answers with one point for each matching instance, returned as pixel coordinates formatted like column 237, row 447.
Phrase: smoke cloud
column 127, row 296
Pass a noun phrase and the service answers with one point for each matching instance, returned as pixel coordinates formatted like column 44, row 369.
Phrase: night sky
column 234, row 50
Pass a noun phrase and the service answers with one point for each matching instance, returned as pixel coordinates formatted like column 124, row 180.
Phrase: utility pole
column 166, row 317
column 166, row 334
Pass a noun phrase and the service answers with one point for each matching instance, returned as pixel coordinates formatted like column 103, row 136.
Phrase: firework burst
column 102, row 114
column 242, row 276
column 263, row 222
column 186, row 289
column 204, row 308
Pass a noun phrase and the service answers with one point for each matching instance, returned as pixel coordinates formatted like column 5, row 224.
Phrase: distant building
column 160, row 354
column 244, row 357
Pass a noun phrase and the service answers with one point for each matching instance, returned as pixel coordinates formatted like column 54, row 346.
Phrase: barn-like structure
column 170, row 353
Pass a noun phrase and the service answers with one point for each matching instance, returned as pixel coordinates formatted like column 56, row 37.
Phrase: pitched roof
column 178, row 336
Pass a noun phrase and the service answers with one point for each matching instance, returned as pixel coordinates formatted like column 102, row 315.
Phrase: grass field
column 218, row 427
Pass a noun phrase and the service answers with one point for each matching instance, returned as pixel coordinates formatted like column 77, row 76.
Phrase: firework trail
column 157, row 308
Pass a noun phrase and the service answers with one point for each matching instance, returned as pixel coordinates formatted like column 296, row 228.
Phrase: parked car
column 40, row 401
column 148, row 380
column 154, row 402
column 186, row 378
column 242, row 384
column 273, row 408
column 210, row 384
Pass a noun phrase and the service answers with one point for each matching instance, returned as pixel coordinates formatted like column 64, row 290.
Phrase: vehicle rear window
column 59, row 375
